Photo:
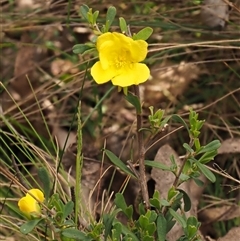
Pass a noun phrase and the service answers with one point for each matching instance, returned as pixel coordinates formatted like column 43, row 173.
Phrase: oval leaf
column 212, row 146
column 180, row 120
column 111, row 13
column 76, row 234
column 186, row 199
column 117, row 162
column 143, row 34
column 84, row 11
column 29, row 226
column 68, row 209
column 45, row 179
column 206, row 172
column 178, row 218
column 134, row 100
column 123, row 25
column 161, row 227
column 81, row 48
column 157, row 165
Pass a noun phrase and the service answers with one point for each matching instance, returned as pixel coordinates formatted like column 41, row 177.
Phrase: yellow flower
column 119, row 58
column 29, row 205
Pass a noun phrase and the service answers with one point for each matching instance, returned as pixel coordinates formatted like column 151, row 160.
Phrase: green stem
column 175, row 183
column 141, row 156
column 79, row 163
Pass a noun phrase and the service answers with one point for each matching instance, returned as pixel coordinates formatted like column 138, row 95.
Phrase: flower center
column 122, row 59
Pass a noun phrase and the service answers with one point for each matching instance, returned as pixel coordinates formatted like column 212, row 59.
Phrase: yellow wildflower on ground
column 119, row 58
column 29, row 205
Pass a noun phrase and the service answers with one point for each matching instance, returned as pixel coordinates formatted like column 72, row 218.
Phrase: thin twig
column 175, row 184
column 141, row 155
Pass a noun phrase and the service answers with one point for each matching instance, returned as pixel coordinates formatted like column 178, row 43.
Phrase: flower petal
column 38, row 194
column 28, row 205
column 103, row 39
column 101, row 75
column 138, row 50
column 137, row 74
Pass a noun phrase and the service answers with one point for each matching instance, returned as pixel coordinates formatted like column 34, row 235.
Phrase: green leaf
column 161, row 227
column 157, row 165
column 193, row 221
column 121, row 204
column 56, row 202
column 147, row 238
column 172, row 193
column 129, row 235
column 134, row 100
column 29, row 226
column 143, row 34
column 180, row 120
column 84, row 11
column 120, row 201
column 68, row 209
column 170, row 225
column 108, row 223
column 155, row 203
column 81, row 48
column 164, row 203
column 192, row 231
column 129, row 211
column 153, row 216
column 143, row 221
column 117, row 231
column 45, row 180
column 76, row 234
column 186, row 199
column 151, row 228
column 178, row 217
column 184, row 177
column 188, row 148
column 206, row 172
column 111, row 13
column 117, row 162
column 192, row 227
column 199, row 182
column 212, row 146
column 123, row 25
column 95, row 16
column 207, row 157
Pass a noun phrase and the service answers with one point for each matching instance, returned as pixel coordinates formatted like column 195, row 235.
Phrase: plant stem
column 175, row 184
column 79, row 163
column 141, row 155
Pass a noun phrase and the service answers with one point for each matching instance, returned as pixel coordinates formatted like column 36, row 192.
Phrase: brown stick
column 141, row 155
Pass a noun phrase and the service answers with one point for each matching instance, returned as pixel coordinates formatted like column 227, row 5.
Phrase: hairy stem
column 141, row 155
column 79, row 163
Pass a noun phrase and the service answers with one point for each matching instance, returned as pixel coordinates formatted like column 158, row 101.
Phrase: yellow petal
column 137, row 74
column 138, row 50
column 38, row 194
column 111, row 46
column 28, row 205
column 101, row 75
column 103, row 39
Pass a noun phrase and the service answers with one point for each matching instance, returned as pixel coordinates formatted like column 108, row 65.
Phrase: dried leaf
column 230, row 146
column 215, row 13
column 220, row 213
column 232, row 235
column 169, row 81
